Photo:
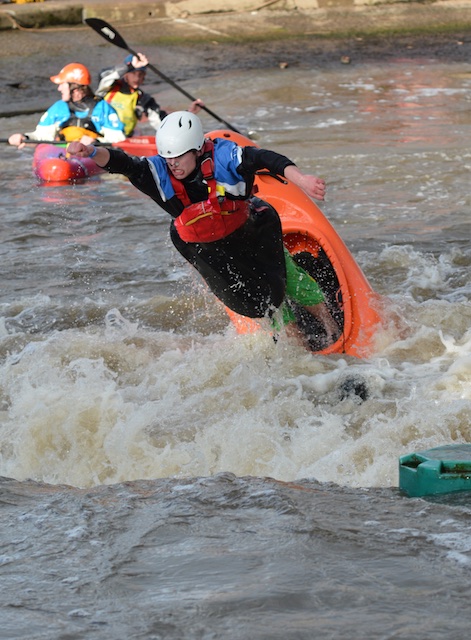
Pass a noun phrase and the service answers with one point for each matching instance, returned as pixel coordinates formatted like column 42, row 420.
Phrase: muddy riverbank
column 29, row 57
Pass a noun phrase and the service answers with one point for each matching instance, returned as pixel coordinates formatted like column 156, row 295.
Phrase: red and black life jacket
column 212, row 219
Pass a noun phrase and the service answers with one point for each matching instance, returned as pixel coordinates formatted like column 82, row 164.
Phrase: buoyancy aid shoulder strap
column 117, row 87
column 111, row 94
column 179, row 189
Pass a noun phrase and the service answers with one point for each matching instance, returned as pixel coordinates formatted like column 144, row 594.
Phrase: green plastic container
column 441, row 470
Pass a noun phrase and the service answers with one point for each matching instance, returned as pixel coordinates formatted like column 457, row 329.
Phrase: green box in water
column 441, row 470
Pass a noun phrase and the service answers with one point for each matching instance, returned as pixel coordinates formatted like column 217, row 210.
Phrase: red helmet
column 74, row 73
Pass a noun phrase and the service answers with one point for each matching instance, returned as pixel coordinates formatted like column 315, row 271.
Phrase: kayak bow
column 51, row 164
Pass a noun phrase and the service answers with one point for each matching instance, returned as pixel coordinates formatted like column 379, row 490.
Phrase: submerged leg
column 305, row 313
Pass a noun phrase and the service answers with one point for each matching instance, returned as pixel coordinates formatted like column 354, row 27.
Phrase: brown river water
column 163, row 477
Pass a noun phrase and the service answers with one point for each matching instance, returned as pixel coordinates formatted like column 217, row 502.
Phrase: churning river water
column 164, row 477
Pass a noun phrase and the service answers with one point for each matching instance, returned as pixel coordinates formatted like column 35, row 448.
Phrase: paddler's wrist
column 98, row 154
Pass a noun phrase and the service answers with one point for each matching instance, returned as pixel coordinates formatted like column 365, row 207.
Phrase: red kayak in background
column 51, row 165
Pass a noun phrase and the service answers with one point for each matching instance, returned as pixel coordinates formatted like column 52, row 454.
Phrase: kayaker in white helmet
column 232, row 238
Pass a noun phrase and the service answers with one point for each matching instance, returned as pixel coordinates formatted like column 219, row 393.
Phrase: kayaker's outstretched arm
column 100, row 155
column 255, row 159
column 313, row 186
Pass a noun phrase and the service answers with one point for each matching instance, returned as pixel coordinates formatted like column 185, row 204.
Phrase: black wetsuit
column 246, row 269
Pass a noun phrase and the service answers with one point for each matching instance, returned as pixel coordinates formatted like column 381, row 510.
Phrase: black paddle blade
column 107, row 32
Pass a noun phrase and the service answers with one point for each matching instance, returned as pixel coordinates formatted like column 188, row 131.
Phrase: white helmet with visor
column 179, row 132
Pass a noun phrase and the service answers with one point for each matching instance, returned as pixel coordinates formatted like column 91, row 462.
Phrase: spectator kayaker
column 79, row 115
column 120, row 86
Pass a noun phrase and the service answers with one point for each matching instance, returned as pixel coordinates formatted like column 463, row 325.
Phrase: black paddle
column 111, row 35
column 59, row 142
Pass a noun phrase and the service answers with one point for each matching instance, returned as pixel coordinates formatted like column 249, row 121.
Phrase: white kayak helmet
column 179, row 132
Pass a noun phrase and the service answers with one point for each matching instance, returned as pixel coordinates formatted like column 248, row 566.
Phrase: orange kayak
column 52, row 166
column 317, row 247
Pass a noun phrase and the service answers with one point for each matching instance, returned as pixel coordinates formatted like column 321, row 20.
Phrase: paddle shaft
column 185, row 93
column 59, row 142
column 3, row 140
column 111, row 35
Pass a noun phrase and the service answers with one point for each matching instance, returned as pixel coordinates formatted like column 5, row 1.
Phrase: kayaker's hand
column 139, row 61
column 313, row 186
column 78, row 149
column 17, row 140
column 195, row 106
column 100, row 155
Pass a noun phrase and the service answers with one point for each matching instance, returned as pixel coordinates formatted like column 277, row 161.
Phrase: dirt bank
column 28, row 58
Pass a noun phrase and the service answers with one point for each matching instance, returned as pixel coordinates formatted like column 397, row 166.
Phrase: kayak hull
column 51, row 165
column 138, row 145
column 315, row 245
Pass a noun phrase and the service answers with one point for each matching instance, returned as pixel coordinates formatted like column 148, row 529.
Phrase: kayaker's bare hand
column 195, row 106
column 100, row 155
column 17, row 140
column 139, row 61
column 313, row 186
column 78, row 149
